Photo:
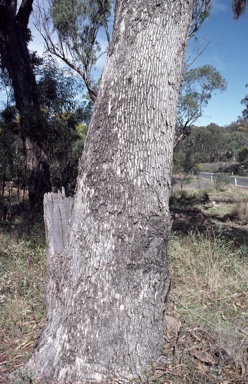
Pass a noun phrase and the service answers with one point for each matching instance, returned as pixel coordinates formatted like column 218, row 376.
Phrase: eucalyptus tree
column 199, row 83
column 196, row 91
column 201, row 11
column 64, row 116
column 16, row 59
column 70, row 29
column 106, row 290
column 8, row 140
column 244, row 101
column 234, row 142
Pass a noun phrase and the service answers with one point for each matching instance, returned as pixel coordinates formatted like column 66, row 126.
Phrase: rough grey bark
column 107, row 289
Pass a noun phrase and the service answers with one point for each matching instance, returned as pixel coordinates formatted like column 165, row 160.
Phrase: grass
column 206, row 330
column 22, row 255
column 208, row 253
column 209, row 302
column 211, row 280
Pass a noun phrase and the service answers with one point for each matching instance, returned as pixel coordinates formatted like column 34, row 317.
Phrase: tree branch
column 201, row 11
column 24, row 13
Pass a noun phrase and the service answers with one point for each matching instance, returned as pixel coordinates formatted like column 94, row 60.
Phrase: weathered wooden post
column 57, row 212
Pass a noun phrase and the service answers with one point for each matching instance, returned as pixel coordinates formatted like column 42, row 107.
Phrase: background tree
column 15, row 58
column 185, row 164
column 235, row 141
column 12, row 165
column 244, row 101
column 243, row 155
column 201, row 11
column 70, row 31
column 5, row 84
column 197, row 89
column 65, row 124
column 198, row 83
column 63, row 133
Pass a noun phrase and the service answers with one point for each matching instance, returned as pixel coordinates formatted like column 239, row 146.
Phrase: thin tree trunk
column 38, row 171
column 106, row 291
column 3, row 179
column 16, row 59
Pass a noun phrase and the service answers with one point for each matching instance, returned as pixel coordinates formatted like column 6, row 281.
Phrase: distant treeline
column 212, row 144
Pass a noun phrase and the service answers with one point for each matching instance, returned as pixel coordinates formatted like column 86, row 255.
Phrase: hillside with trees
column 223, row 148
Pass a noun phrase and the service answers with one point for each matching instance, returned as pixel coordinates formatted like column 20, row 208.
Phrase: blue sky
column 228, row 53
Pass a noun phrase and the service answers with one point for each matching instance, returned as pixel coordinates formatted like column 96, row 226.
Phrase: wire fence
column 237, row 181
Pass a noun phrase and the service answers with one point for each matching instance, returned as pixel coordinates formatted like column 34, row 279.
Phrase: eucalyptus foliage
column 239, row 7
column 244, row 101
column 70, row 29
column 198, row 86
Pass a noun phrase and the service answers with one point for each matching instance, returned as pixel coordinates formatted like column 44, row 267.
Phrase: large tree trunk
column 106, row 291
column 16, row 59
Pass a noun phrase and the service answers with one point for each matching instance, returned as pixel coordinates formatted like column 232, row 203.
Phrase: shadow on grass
column 19, row 226
column 190, row 219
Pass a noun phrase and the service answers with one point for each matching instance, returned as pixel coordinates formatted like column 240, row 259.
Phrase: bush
column 188, row 198
column 221, row 180
column 243, row 155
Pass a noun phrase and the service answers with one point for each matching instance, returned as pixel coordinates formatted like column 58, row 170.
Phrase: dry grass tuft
column 211, row 280
column 21, row 295
column 240, row 212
